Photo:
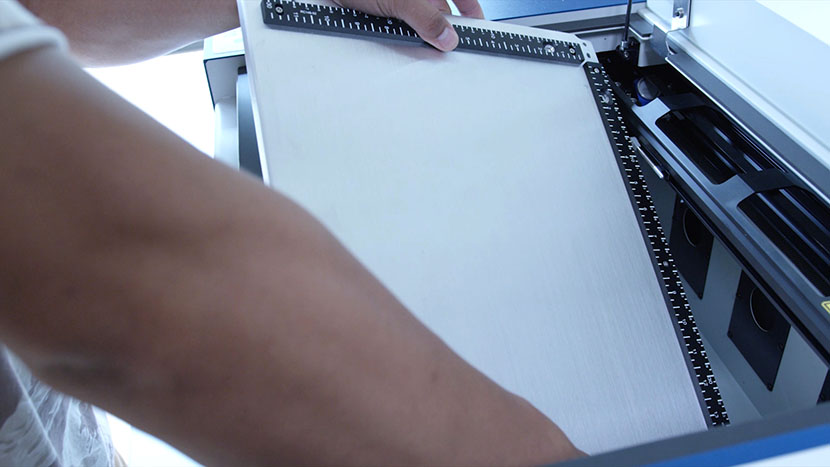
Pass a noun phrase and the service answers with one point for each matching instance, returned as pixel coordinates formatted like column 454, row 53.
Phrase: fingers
column 429, row 22
column 422, row 15
column 442, row 6
column 469, row 8
column 425, row 16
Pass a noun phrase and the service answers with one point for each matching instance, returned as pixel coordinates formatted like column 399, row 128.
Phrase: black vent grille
column 799, row 225
column 713, row 143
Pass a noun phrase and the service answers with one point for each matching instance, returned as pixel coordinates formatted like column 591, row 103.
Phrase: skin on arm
column 111, row 32
column 211, row 311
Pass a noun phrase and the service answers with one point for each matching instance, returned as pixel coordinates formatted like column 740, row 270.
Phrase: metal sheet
column 484, row 193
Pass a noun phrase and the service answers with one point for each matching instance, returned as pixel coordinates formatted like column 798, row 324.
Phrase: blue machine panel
column 508, row 9
column 758, row 449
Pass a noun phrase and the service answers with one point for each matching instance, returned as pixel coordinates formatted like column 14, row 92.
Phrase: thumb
column 424, row 17
column 429, row 23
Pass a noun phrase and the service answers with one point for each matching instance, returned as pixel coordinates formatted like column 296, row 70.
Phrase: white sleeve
column 20, row 31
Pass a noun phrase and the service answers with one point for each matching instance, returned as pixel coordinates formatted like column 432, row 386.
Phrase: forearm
column 122, row 31
column 211, row 311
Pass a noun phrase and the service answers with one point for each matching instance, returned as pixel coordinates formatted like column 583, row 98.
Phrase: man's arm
column 211, row 311
column 110, row 32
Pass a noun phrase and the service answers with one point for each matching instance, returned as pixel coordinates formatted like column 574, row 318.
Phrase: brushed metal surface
column 483, row 192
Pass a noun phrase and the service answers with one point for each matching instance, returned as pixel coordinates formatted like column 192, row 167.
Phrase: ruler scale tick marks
column 306, row 17
column 653, row 233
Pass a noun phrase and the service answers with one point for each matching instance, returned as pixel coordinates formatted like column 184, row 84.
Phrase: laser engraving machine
column 618, row 210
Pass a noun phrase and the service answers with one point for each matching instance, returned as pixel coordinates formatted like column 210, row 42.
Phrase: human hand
column 425, row 16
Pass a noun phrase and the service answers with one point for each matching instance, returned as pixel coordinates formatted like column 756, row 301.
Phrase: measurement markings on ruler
column 312, row 17
column 653, row 233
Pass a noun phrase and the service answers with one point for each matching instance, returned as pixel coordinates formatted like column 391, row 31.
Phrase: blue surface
column 755, row 450
column 508, row 9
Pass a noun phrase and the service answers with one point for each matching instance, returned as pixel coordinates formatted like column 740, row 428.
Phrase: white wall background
column 172, row 89
column 810, row 15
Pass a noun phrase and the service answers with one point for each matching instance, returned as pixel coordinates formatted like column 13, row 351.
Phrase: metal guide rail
column 656, row 239
column 328, row 19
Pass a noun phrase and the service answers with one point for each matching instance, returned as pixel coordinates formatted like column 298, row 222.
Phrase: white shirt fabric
column 38, row 425
column 20, row 31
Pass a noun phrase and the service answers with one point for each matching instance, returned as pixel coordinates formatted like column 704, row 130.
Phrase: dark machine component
column 773, row 223
column 799, row 225
column 248, row 147
column 691, row 243
column 758, row 330
column 646, row 91
column 713, row 143
column 824, row 395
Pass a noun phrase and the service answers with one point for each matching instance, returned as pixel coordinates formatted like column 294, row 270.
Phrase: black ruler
column 328, row 19
column 657, row 241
